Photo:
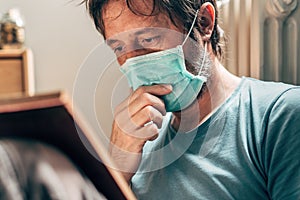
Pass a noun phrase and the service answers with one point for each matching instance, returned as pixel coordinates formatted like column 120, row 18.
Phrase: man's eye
column 150, row 42
column 118, row 49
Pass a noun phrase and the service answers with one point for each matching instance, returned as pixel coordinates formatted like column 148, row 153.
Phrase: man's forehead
column 113, row 8
column 119, row 18
column 134, row 33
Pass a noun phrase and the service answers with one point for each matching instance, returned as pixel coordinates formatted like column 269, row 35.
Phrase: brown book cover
column 49, row 118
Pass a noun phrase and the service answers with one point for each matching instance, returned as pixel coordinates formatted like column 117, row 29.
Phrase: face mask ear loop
column 194, row 21
column 204, row 57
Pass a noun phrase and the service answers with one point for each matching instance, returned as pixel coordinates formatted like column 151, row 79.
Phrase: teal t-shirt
column 248, row 149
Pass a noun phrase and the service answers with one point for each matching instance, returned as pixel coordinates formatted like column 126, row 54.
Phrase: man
column 237, row 138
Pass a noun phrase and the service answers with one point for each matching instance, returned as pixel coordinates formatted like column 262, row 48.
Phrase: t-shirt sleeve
column 282, row 147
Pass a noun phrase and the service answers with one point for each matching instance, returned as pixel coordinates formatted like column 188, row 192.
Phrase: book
column 50, row 118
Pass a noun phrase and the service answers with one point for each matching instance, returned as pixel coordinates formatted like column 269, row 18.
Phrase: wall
column 263, row 39
column 60, row 34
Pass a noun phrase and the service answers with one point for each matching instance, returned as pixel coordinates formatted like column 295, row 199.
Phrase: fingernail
column 168, row 87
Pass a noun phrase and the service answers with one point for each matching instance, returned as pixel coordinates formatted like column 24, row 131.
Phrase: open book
column 49, row 118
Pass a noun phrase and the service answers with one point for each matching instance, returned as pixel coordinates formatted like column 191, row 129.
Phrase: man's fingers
column 157, row 90
column 145, row 100
column 147, row 115
column 148, row 132
column 129, row 124
column 145, row 96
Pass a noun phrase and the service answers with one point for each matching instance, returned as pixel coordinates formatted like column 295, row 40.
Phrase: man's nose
column 133, row 53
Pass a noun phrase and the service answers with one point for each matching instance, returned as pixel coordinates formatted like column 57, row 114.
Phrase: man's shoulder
column 269, row 86
column 267, row 91
column 272, row 100
column 289, row 100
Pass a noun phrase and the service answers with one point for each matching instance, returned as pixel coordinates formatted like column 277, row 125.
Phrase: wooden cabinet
column 16, row 71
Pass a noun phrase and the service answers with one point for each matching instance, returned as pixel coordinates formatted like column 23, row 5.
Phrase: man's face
column 131, row 35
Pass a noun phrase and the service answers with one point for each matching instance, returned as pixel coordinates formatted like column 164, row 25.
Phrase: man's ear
column 207, row 20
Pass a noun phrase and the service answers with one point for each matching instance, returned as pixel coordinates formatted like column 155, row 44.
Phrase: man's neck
column 219, row 87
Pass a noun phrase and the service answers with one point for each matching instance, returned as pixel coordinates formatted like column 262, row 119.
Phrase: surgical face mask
column 166, row 67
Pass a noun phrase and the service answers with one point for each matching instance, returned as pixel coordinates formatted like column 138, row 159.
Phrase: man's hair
column 182, row 10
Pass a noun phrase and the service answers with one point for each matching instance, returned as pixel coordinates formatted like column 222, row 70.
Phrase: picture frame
column 16, row 71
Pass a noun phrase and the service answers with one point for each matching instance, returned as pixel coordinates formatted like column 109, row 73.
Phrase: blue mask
column 166, row 67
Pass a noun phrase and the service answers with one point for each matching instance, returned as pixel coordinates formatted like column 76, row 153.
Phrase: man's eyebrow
column 137, row 33
column 145, row 30
column 111, row 41
column 140, row 32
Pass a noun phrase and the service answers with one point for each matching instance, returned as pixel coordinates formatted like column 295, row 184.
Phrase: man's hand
column 136, row 120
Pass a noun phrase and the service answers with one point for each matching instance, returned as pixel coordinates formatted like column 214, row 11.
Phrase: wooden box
column 16, row 71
